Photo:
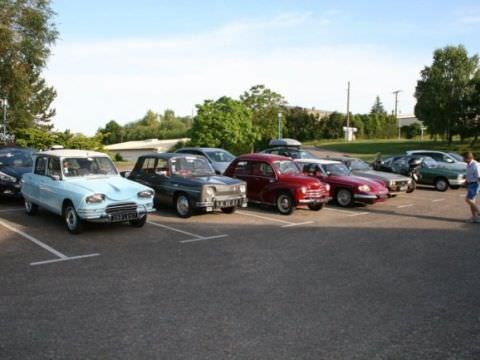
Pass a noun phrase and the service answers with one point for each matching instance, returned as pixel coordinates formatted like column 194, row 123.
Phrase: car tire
column 285, row 203
column 412, row 187
column 344, row 198
column 441, row 184
column 183, row 206
column 30, row 208
column 316, row 207
column 138, row 223
column 229, row 210
column 73, row 222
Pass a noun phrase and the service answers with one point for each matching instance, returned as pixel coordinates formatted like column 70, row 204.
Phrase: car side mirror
column 125, row 174
column 55, row 177
column 448, row 160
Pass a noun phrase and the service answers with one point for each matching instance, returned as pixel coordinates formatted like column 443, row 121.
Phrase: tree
column 112, row 133
column 265, row 105
column 302, row 125
column 377, row 107
column 332, row 126
column 411, row 131
column 225, row 123
column 444, row 89
column 26, row 35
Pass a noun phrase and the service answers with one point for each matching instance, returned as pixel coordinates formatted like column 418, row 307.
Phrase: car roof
column 169, row 156
column 342, row 158
column 318, row 161
column 262, row 157
column 284, row 142
column 71, row 153
column 201, row 149
column 423, row 151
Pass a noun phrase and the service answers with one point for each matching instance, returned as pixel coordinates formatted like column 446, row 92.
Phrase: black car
column 14, row 162
column 189, row 183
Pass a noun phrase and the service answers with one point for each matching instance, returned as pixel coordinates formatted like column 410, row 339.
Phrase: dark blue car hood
column 15, row 171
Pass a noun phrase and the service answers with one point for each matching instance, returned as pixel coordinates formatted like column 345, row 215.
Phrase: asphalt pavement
column 396, row 280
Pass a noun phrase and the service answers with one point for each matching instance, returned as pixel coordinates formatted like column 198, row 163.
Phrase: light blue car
column 84, row 186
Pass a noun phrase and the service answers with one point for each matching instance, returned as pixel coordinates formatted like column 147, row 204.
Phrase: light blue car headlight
column 95, row 198
column 145, row 194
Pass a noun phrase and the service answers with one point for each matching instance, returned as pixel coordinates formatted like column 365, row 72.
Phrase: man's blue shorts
column 472, row 190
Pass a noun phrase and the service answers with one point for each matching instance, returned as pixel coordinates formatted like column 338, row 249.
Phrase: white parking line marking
column 358, row 214
column 416, row 197
column 438, row 200
column 404, row 206
column 10, row 210
column 61, row 257
column 349, row 213
column 297, row 224
column 264, row 217
column 195, row 237
column 36, row 241
column 204, row 238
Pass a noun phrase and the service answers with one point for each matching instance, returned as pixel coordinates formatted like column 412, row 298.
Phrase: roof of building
column 72, row 153
column 149, row 144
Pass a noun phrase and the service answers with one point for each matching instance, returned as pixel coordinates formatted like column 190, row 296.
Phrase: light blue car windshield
column 74, row 167
column 220, row 156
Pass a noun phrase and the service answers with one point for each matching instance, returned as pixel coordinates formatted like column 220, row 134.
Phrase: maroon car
column 345, row 188
column 276, row 180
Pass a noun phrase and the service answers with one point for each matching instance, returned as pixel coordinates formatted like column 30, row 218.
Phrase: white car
column 451, row 159
column 84, row 186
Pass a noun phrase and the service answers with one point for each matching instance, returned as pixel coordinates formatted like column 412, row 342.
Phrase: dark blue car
column 14, row 162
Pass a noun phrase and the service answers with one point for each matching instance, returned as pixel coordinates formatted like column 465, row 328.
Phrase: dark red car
column 276, row 180
column 346, row 189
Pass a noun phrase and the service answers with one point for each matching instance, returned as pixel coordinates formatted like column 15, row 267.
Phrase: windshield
column 286, row 167
column 429, row 162
column 336, row 169
column 358, row 164
column 100, row 165
column 16, row 158
column 302, row 154
column 456, row 156
column 191, row 166
column 221, row 156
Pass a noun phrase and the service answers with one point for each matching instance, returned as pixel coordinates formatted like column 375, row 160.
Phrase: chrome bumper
column 223, row 202
column 457, row 182
column 100, row 215
column 315, row 200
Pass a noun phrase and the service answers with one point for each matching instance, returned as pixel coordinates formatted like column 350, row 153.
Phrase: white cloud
column 122, row 78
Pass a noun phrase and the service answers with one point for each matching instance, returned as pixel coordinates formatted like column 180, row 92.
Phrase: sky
column 116, row 59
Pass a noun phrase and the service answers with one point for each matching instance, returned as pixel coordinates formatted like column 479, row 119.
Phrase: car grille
column 227, row 189
column 121, row 208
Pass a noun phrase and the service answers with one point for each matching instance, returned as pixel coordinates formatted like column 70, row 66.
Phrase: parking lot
column 398, row 279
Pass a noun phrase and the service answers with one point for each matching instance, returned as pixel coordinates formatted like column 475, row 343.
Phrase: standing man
column 472, row 178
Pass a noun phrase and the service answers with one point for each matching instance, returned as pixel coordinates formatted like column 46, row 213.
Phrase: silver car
column 395, row 183
column 219, row 159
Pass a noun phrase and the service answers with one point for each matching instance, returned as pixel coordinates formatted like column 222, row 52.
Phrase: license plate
column 403, row 188
column 227, row 203
column 124, row 217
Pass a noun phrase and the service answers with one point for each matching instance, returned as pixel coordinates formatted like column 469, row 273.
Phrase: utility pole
column 396, row 92
column 4, row 104
column 279, row 125
column 348, row 105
